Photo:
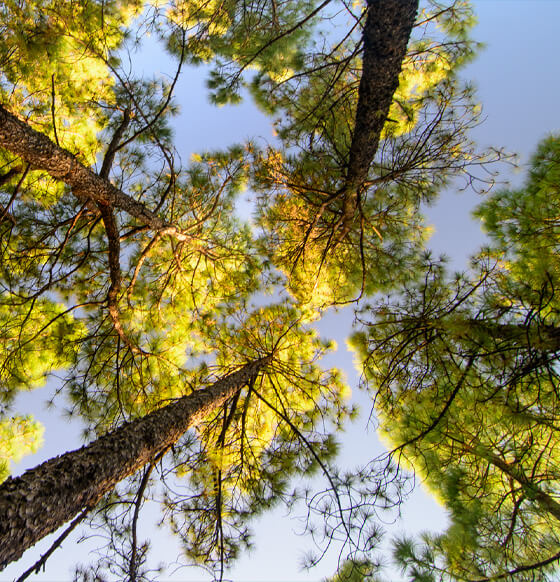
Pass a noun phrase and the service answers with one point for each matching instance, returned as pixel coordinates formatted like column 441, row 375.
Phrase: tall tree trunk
column 44, row 498
column 385, row 37
column 38, row 150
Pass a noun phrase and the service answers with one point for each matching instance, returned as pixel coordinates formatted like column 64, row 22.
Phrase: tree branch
column 113, row 241
column 39, row 151
column 55, row 545
column 519, row 569
column 137, row 503
column 114, row 146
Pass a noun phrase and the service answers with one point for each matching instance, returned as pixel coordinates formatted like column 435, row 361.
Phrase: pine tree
column 44, row 498
column 130, row 272
column 465, row 375
column 345, row 220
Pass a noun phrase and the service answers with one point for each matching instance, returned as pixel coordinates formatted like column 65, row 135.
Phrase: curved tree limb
column 113, row 241
column 38, row 150
column 524, row 568
column 114, row 146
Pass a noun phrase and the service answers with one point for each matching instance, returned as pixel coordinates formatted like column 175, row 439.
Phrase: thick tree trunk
column 44, row 498
column 385, row 37
column 43, row 154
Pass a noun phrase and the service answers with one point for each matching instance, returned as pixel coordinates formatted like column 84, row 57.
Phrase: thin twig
column 53, row 100
column 138, row 502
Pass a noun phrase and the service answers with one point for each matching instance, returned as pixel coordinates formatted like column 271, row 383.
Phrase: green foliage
column 268, row 37
column 327, row 257
column 249, row 451
column 150, row 320
column 134, row 315
column 354, row 571
column 19, row 436
column 465, row 375
column 523, row 224
column 298, row 241
column 53, row 55
column 35, row 340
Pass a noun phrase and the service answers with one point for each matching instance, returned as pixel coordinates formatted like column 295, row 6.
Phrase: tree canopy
column 127, row 273
column 465, row 374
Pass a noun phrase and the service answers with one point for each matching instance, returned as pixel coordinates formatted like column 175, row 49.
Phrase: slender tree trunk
column 44, row 498
column 385, row 37
column 38, row 150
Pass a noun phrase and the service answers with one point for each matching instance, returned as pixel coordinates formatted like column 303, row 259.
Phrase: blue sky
column 517, row 79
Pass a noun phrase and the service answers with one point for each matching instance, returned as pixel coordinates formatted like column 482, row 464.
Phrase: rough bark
column 44, row 498
column 43, row 154
column 385, row 38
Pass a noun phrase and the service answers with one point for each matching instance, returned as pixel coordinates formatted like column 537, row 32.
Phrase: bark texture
column 43, row 154
column 385, row 38
column 44, row 498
